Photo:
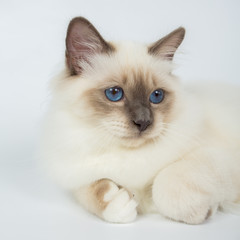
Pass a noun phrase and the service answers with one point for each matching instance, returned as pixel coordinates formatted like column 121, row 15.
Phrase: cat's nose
column 142, row 124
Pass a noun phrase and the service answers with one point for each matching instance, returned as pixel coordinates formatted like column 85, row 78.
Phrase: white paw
column 121, row 206
column 182, row 201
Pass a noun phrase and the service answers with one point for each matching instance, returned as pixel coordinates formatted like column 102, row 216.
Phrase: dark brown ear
column 167, row 46
column 82, row 42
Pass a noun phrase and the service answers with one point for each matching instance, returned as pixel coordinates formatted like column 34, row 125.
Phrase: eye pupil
column 114, row 91
column 114, row 94
column 156, row 96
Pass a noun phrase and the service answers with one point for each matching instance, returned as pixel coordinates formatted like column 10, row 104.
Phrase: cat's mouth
column 138, row 139
column 131, row 135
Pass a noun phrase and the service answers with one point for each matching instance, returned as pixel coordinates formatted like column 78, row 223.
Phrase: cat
column 125, row 136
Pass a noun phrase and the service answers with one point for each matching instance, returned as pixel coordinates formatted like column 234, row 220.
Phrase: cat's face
column 125, row 91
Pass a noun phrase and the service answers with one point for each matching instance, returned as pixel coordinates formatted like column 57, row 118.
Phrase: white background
column 32, row 35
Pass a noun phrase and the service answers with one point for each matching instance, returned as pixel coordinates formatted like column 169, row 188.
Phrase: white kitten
column 125, row 137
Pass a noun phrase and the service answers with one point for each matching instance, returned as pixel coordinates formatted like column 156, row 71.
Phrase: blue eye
column 114, row 94
column 156, row 96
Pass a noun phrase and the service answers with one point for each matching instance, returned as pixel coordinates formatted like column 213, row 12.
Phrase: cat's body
column 181, row 159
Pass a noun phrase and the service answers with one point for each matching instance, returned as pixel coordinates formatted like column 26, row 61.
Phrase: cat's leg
column 191, row 189
column 109, row 201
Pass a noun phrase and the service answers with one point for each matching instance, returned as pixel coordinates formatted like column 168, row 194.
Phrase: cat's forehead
column 131, row 67
column 137, row 78
column 134, row 62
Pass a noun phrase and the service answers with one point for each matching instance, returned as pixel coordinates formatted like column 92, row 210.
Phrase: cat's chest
column 133, row 168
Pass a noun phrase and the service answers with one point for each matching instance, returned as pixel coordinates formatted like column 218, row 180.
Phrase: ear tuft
column 82, row 42
column 167, row 46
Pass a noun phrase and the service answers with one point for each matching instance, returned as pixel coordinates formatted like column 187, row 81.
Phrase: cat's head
column 125, row 92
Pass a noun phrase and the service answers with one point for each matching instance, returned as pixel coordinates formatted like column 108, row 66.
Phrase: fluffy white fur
column 185, row 174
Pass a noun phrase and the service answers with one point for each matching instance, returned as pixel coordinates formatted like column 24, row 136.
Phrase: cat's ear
column 82, row 42
column 167, row 46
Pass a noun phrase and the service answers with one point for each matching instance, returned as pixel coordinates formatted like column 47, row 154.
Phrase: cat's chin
column 136, row 142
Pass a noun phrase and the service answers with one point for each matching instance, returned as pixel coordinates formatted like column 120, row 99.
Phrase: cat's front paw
column 182, row 200
column 121, row 207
